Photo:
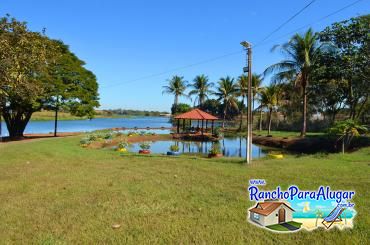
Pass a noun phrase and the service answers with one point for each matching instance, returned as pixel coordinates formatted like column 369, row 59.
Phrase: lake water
column 94, row 124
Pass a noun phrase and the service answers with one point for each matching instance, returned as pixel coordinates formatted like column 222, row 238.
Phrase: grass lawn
column 279, row 227
column 53, row 191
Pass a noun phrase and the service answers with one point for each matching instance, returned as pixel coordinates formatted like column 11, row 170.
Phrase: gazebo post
column 198, row 124
column 212, row 125
column 202, row 126
column 178, row 125
column 183, row 125
column 206, row 125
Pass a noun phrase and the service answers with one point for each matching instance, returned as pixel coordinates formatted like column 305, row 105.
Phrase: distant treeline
column 125, row 112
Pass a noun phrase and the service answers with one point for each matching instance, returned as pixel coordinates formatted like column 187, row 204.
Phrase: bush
column 216, row 149
column 145, row 145
column 174, row 148
column 180, row 108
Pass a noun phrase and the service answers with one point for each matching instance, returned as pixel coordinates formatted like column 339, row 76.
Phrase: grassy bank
column 53, row 191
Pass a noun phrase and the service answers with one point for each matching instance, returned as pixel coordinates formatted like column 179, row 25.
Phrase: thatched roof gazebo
column 199, row 116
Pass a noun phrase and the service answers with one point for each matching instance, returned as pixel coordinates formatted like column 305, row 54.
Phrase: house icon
column 271, row 212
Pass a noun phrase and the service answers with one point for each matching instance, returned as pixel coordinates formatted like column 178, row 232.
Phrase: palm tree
column 257, row 90
column 201, row 88
column 302, row 52
column 243, row 92
column 319, row 215
column 227, row 92
column 270, row 99
column 176, row 86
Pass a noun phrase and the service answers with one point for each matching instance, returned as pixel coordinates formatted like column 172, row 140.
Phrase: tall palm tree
column 243, row 90
column 257, row 90
column 242, row 87
column 227, row 92
column 302, row 52
column 201, row 88
column 270, row 99
column 176, row 86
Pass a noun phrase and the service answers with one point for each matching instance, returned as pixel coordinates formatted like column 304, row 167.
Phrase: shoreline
column 310, row 223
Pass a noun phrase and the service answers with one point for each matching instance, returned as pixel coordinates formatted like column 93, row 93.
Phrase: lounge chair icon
column 334, row 216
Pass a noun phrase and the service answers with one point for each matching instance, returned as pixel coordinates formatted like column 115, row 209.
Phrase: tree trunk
column 304, row 112
column 260, row 119
column 270, row 119
column 223, row 121
column 241, row 114
column 56, row 121
column 16, row 122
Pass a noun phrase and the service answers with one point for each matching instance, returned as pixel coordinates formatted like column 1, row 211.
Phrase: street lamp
column 248, row 47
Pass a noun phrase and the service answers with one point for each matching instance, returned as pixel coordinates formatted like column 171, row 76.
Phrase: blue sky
column 122, row 41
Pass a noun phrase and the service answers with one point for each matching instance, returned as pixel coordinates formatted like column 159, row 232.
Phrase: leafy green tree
column 270, row 98
column 180, row 108
column 227, row 93
column 351, row 41
column 201, row 88
column 176, row 86
column 26, row 76
column 302, row 52
column 346, row 130
column 212, row 106
column 70, row 86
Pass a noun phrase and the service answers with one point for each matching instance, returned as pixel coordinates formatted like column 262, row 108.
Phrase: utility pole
column 248, row 47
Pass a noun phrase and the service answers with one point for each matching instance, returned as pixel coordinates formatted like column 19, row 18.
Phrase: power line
column 287, row 21
column 261, row 43
column 321, row 19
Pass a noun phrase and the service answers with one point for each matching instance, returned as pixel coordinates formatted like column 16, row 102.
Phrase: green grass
column 295, row 224
column 278, row 227
column 53, row 191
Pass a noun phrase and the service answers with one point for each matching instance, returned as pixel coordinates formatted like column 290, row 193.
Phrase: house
column 271, row 213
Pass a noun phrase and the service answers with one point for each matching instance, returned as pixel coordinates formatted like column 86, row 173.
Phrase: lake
column 41, row 127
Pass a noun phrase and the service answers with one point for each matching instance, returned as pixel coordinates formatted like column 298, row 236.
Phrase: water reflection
column 231, row 147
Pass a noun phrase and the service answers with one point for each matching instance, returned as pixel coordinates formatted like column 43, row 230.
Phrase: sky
column 134, row 47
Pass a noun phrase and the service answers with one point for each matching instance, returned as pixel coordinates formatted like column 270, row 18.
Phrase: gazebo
column 195, row 115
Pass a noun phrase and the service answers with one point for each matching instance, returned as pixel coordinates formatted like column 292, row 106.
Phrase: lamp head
column 245, row 44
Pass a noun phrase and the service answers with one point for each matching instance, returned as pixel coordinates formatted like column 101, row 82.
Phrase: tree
column 351, row 41
column 70, row 85
column 270, row 97
column 201, row 88
column 176, row 86
column 212, row 106
column 27, row 60
column 301, row 52
column 346, row 131
column 180, row 108
column 242, row 91
column 227, row 92
column 257, row 90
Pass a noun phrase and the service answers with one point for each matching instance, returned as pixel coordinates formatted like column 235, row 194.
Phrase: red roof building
column 198, row 115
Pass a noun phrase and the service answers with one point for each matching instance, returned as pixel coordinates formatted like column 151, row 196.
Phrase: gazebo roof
column 196, row 114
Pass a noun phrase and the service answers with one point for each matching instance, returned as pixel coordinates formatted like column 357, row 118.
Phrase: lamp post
column 248, row 47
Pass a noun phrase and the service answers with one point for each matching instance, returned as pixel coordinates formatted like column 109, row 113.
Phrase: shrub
column 174, row 148
column 123, row 144
column 216, row 149
column 145, row 145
